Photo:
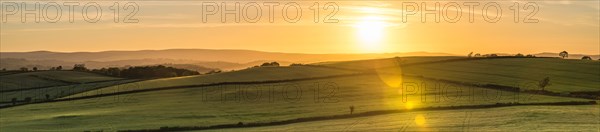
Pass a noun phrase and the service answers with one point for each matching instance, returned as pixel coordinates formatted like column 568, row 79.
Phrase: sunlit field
column 274, row 94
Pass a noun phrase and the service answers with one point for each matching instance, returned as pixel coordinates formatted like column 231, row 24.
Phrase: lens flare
column 420, row 120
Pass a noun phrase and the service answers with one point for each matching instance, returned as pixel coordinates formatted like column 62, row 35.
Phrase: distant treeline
column 158, row 71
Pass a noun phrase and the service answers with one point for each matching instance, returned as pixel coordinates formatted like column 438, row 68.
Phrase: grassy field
column 48, row 78
column 565, row 75
column 524, row 118
column 242, row 103
column 46, row 85
column 386, row 87
column 247, row 75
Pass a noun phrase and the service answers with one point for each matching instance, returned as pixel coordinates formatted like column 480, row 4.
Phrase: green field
column 47, row 85
column 525, row 118
column 48, row 78
column 271, row 94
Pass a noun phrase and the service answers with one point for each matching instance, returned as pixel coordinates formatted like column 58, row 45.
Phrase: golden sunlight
column 370, row 32
column 420, row 120
column 409, row 105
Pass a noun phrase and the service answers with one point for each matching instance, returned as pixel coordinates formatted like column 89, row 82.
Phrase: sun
column 370, row 31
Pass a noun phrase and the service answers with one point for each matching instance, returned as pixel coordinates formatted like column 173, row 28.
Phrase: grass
column 522, row 118
column 388, row 88
column 565, row 75
column 55, row 84
column 247, row 75
column 205, row 106
column 48, row 78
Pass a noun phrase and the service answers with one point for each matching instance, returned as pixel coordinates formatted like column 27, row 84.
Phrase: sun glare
column 409, row 105
column 420, row 120
column 370, row 33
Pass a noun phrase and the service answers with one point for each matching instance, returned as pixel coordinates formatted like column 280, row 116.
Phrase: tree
column 274, row 63
column 477, row 55
column 266, row 64
column 544, row 82
column 529, row 55
column 79, row 67
column 270, row 64
column 493, row 55
column 3, row 69
column 351, row 109
column 158, row 71
column 59, row 68
column 35, row 68
column 24, row 69
column 564, row 54
column 470, row 55
column 586, row 58
column 520, row 55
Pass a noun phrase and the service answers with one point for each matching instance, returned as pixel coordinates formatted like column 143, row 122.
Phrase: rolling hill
column 321, row 91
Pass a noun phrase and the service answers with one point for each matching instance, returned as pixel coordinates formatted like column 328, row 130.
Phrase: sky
column 340, row 26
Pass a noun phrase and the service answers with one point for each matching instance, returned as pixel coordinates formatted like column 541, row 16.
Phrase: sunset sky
column 363, row 27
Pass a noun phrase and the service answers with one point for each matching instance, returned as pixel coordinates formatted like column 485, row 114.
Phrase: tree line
column 158, row 71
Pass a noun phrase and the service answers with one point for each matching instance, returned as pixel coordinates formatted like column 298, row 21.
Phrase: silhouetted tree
column 470, row 55
column 274, row 64
column 59, row 68
column 79, row 67
column 544, row 82
column 270, row 64
column 113, row 71
column 3, row 69
column 351, row 109
column 564, row 54
column 493, row 55
column 477, row 55
column 24, row 69
column 35, row 69
column 586, row 58
column 529, row 55
column 296, row 64
column 519, row 55
column 213, row 71
column 158, row 71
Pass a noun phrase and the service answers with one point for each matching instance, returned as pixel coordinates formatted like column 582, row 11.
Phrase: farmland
column 415, row 85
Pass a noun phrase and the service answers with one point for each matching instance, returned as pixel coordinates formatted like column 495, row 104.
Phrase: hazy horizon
column 125, row 50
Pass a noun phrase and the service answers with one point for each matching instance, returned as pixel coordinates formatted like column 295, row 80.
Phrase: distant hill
column 207, row 55
column 199, row 66
column 206, row 58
